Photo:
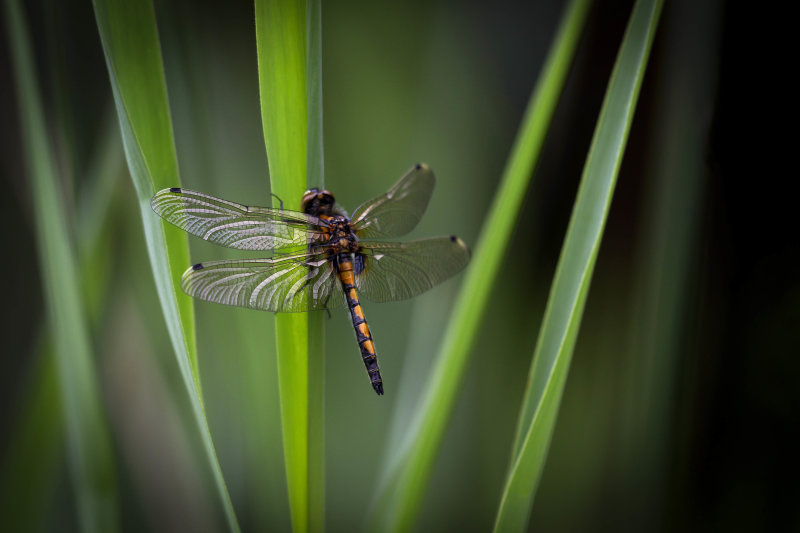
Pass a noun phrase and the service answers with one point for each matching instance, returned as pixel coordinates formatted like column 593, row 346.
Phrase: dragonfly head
column 317, row 202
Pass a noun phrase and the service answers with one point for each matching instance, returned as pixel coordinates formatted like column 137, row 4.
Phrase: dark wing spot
column 453, row 238
column 418, row 166
column 198, row 266
column 175, row 189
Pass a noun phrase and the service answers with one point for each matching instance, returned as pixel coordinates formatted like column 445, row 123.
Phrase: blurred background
column 681, row 404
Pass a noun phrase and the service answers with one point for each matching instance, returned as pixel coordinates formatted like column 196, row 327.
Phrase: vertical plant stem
column 289, row 70
column 316, row 320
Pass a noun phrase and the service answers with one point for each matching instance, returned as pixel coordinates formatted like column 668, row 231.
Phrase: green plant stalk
column 89, row 448
column 133, row 57
column 409, row 469
column 315, row 173
column 289, row 72
column 34, row 454
column 574, row 272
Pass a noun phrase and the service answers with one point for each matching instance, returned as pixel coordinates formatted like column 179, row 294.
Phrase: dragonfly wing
column 235, row 225
column 299, row 283
column 395, row 271
column 399, row 210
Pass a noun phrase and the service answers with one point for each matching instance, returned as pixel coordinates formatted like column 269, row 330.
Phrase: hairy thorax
column 342, row 237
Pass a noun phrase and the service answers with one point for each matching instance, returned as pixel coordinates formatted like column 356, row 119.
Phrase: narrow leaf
column 89, row 448
column 133, row 57
column 574, row 272
column 289, row 72
column 34, row 455
column 408, row 471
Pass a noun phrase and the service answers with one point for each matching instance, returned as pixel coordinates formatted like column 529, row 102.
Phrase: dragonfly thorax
column 342, row 237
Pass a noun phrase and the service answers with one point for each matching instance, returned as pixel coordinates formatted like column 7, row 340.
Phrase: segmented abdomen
column 363, row 336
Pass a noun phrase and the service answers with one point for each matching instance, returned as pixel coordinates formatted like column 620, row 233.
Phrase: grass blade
column 35, row 451
column 130, row 41
column 409, row 469
column 289, row 73
column 315, row 177
column 573, row 275
column 89, row 447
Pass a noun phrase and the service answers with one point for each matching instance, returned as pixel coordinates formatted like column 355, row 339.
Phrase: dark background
column 680, row 411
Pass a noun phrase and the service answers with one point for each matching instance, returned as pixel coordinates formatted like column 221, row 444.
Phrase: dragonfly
column 321, row 257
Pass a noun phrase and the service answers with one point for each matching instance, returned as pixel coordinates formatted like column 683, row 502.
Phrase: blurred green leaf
column 32, row 462
column 409, row 468
column 34, row 454
column 132, row 50
column 289, row 73
column 574, row 273
column 89, row 448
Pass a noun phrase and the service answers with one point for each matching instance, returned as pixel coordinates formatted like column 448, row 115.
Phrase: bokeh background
column 679, row 411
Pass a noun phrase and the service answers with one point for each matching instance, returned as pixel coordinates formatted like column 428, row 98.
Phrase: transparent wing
column 294, row 284
column 234, row 225
column 396, row 271
column 399, row 210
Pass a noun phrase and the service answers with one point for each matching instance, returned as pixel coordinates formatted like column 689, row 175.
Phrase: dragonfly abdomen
column 363, row 335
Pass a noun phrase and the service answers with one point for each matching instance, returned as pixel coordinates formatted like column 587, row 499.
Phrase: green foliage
column 404, row 83
column 574, row 273
column 90, row 456
column 407, row 475
column 132, row 50
column 289, row 72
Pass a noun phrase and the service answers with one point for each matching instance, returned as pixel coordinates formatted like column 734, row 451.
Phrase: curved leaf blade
column 574, row 272
column 409, row 467
column 133, row 57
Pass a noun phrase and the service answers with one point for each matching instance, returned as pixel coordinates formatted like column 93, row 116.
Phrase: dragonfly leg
column 278, row 198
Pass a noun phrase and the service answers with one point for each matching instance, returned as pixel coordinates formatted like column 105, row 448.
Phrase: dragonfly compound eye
column 316, row 202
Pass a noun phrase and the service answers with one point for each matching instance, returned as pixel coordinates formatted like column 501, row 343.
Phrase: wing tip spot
column 175, row 190
column 461, row 243
column 198, row 266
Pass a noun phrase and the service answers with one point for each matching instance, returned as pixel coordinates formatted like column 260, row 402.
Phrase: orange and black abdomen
column 363, row 336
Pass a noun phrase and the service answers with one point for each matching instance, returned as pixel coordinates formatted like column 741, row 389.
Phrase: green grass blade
column 30, row 467
column 289, row 73
column 574, row 272
column 130, row 41
column 315, row 177
column 409, row 469
column 88, row 442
